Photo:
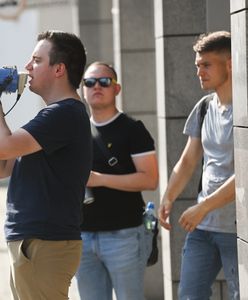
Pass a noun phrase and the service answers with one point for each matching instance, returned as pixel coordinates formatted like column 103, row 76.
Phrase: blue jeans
column 113, row 260
column 204, row 254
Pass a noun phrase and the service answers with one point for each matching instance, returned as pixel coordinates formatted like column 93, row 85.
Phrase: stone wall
column 150, row 44
column 239, row 19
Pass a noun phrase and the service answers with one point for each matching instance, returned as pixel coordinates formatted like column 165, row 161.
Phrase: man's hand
column 163, row 213
column 192, row 216
column 94, row 179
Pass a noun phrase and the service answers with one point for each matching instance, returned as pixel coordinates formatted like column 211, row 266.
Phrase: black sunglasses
column 103, row 81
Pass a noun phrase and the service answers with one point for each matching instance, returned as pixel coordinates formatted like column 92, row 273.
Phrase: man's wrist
column 167, row 202
column 206, row 205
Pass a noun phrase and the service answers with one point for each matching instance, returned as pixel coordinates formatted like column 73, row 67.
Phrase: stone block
column 175, row 143
column 237, row 5
column 241, row 167
column 160, row 78
column 216, row 291
column 182, row 88
column 243, row 268
column 158, row 20
column 153, row 279
column 98, row 41
column 95, row 10
column 177, row 236
column 184, row 17
column 138, row 75
column 175, row 290
column 218, row 21
column 224, row 289
column 162, row 151
column 239, row 68
column 137, row 29
column 150, row 122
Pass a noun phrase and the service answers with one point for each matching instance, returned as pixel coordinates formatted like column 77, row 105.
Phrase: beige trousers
column 42, row 270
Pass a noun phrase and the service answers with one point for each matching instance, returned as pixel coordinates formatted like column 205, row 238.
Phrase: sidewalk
column 5, row 293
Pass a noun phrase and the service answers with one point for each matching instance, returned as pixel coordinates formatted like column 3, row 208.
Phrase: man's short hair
column 68, row 49
column 105, row 64
column 218, row 41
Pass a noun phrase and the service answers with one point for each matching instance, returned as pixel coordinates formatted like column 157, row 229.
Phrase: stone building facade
column 239, row 10
column 150, row 44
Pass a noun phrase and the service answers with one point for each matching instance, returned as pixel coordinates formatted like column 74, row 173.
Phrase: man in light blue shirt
column 211, row 242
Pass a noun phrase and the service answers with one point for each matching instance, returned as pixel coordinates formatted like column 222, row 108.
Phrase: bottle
column 89, row 197
column 149, row 216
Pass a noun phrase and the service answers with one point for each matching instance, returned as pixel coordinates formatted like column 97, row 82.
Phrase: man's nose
column 199, row 71
column 28, row 66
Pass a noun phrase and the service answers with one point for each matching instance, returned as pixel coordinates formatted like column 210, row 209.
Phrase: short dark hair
column 105, row 64
column 66, row 48
column 218, row 41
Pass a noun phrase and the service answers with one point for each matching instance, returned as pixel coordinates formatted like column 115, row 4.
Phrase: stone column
column 122, row 32
column 135, row 58
column 95, row 19
column 177, row 91
column 177, row 25
column 239, row 23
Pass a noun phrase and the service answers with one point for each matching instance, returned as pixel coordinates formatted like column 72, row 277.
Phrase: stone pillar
column 122, row 32
column 96, row 32
column 177, row 25
column 239, row 23
column 177, row 92
column 135, row 59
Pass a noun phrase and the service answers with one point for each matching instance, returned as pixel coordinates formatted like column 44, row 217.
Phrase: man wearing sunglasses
column 114, row 245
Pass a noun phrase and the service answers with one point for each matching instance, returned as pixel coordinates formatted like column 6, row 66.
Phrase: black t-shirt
column 115, row 209
column 46, row 187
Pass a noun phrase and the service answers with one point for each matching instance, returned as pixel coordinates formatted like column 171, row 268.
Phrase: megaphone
column 12, row 81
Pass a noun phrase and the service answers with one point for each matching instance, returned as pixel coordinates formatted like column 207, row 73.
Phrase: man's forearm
column 4, row 129
column 222, row 196
column 133, row 182
column 4, row 132
column 178, row 180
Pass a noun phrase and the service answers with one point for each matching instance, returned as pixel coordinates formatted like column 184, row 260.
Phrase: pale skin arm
column 181, row 174
column 13, row 145
column 179, row 178
column 145, row 177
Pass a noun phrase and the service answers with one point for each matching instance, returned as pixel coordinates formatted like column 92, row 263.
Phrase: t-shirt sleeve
column 141, row 140
column 50, row 128
column 192, row 126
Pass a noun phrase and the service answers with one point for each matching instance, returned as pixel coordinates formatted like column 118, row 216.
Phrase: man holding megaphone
column 48, row 161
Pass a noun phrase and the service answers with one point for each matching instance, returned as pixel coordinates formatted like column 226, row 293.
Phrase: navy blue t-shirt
column 46, row 187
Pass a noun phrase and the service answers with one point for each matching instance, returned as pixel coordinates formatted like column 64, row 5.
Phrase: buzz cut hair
column 105, row 64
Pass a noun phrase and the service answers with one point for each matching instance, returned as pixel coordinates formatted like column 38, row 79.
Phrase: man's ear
column 117, row 89
column 59, row 69
column 229, row 64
